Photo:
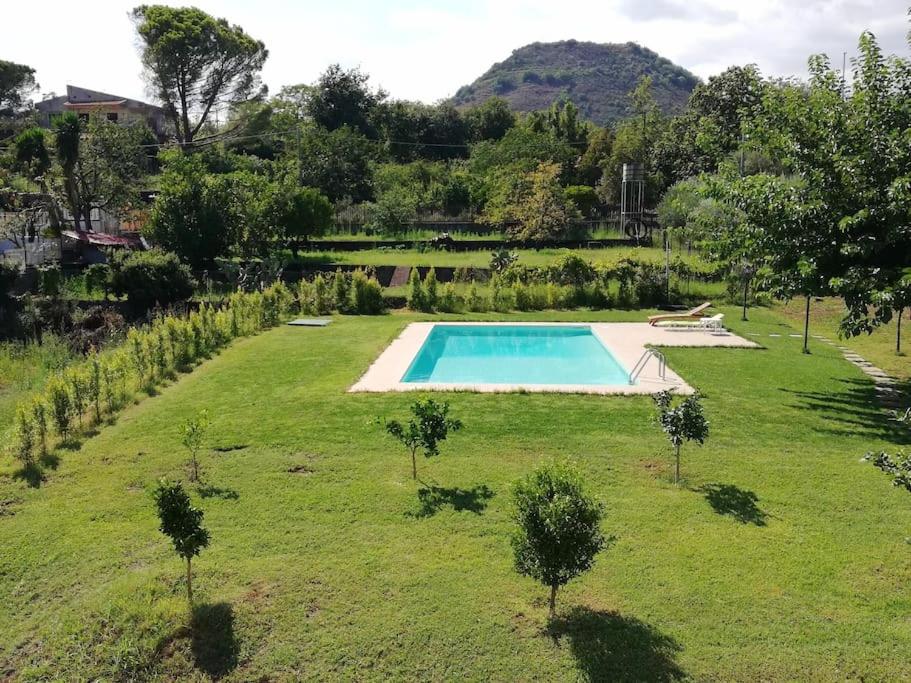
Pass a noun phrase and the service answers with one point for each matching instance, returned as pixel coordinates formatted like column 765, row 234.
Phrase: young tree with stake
column 558, row 527
column 686, row 422
column 194, row 435
column 182, row 523
column 430, row 424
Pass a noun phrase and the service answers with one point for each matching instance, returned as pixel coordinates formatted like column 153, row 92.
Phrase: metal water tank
column 633, row 172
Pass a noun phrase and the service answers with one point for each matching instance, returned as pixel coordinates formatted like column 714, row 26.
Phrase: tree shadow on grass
column 431, row 499
column 212, row 491
column 727, row 499
column 611, row 647
column 33, row 473
column 213, row 643
column 855, row 410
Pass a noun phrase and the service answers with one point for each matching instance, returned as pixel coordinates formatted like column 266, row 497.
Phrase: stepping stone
column 310, row 322
column 797, row 336
column 773, row 334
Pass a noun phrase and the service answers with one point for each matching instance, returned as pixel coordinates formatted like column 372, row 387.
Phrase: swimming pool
column 514, row 355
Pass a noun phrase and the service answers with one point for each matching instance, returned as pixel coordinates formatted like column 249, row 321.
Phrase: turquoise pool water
column 514, row 354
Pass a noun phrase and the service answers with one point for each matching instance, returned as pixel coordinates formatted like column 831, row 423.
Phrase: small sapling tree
column 429, row 425
column 558, row 527
column 686, row 422
column 193, row 438
column 182, row 523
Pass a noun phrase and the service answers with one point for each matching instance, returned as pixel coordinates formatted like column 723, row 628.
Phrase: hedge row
column 102, row 384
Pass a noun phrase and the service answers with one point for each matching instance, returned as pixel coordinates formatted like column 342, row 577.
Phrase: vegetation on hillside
column 596, row 77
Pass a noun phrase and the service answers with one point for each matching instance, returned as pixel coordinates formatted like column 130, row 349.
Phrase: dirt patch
column 230, row 447
column 7, row 506
column 301, row 469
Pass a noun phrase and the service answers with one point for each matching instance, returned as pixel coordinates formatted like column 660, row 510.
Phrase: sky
column 426, row 50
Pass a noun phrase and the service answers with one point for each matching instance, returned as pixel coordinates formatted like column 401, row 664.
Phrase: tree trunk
column 806, row 328
column 189, row 583
column 553, row 600
column 746, row 290
column 414, row 465
column 677, row 464
column 898, row 331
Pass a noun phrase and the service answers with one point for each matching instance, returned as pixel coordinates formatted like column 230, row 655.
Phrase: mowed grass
column 877, row 347
column 782, row 557
column 481, row 259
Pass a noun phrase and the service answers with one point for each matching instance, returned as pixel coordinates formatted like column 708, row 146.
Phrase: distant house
column 118, row 109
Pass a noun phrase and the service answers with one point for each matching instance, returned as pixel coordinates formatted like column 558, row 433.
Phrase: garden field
column 780, row 557
column 478, row 259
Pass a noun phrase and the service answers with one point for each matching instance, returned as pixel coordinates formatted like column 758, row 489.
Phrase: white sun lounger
column 712, row 324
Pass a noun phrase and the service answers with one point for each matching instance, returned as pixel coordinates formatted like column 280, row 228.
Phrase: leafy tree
column 17, row 82
column 634, row 140
column 558, row 527
column 337, row 163
column 193, row 436
column 101, row 163
column 422, row 131
column 583, row 197
column 344, row 98
column 536, row 208
column 590, row 167
column 429, row 425
column 190, row 214
column 182, row 523
column 562, row 121
column 196, row 63
column 299, row 213
column 686, row 422
column 490, row 120
column 393, row 212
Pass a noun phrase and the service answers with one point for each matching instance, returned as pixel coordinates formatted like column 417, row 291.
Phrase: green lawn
column 878, row 347
column 476, row 259
column 781, row 558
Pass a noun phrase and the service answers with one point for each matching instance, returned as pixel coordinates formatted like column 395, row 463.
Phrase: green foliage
column 344, row 98
column 583, row 197
column 24, row 436
column 393, row 212
column 416, row 298
column 60, row 401
column 150, row 278
column 9, row 273
column 193, row 435
column 595, row 77
column 299, row 213
column 685, row 422
column 366, row 293
column 98, row 278
column 898, row 467
column 182, row 523
column 558, row 526
column 534, row 207
column 191, row 215
column 338, row 162
column 194, row 62
column 50, row 280
column 429, row 425
column 490, row 120
column 501, row 259
column 17, row 81
column 430, row 290
column 32, row 156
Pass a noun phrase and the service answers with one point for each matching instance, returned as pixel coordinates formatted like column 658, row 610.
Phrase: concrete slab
column 310, row 322
column 626, row 341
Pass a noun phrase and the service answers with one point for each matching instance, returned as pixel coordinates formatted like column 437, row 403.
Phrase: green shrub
column 367, row 295
column 415, row 291
column 449, row 300
column 8, row 275
column 39, row 415
column 476, row 302
column 24, row 436
column 150, row 278
column 341, row 289
column 58, row 394
column 50, row 281
column 98, row 278
column 430, row 291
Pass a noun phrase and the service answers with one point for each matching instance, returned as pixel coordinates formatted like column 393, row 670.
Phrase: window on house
column 112, row 116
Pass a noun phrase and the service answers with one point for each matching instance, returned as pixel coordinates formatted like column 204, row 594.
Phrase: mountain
column 597, row 77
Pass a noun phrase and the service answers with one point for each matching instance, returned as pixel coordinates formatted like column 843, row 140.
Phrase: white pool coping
column 626, row 341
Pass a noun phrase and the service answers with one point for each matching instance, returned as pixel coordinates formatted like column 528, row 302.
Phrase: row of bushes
column 502, row 293
column 354, row 293
column 103, row 383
